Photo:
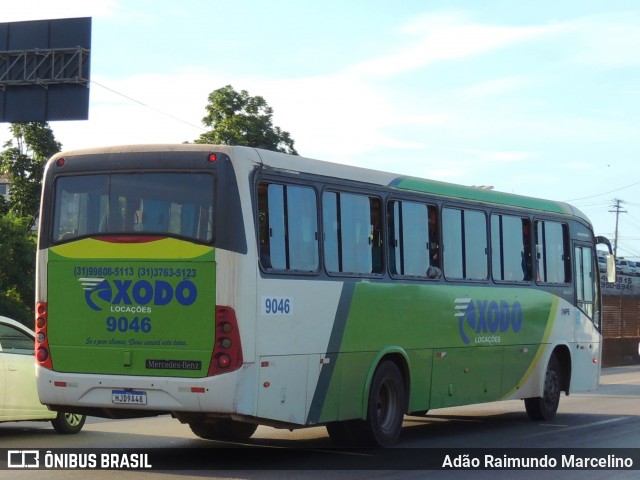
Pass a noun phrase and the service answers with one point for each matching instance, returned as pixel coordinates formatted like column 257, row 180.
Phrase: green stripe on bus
column 477, row 194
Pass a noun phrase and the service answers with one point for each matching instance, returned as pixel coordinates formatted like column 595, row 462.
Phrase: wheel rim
column 386, row 406
column 73, row 419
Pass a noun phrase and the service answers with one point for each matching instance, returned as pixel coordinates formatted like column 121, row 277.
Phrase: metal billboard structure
column 44, row 70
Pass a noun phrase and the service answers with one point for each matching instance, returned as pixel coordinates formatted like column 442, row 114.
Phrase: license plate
column 129, row 397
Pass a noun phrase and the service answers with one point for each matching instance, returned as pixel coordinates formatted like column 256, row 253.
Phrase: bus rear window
column 175, row 204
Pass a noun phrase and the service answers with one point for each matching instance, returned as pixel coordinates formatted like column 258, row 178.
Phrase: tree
column 240, row 119
column 17, row 269
column 23, row 161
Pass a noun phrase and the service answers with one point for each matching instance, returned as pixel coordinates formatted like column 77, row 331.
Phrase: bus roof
column 299, row 164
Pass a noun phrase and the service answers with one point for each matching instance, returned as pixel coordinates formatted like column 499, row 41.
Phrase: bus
column 232, row 287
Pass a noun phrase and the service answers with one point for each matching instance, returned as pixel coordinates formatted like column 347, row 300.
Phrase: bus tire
column 386, row 406
column 227, row 430
column 546, row 406
column 68, row 423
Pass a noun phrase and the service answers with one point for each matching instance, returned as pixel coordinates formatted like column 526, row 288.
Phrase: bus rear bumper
column 117, row 396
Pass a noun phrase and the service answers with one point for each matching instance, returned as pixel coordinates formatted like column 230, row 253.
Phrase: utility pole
column 617, row 206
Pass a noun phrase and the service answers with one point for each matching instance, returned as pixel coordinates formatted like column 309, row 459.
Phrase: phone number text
column 146, row 272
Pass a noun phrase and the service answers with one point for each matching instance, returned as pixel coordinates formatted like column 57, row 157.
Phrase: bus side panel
column 583, row 349
column 468, row 328
column 279, row 398
column 420, row 368
column 513, row 380
column 293, row 331
column 587, row 355
column 466, row 375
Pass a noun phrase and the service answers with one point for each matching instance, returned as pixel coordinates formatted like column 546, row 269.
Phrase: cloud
column 497, row 86
column 434, row 38
column 500, row 157
column 606, row 40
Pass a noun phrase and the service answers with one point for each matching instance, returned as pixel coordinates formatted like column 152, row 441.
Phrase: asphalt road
column 606, row 419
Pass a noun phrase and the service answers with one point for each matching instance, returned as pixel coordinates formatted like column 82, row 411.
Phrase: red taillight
column 42, row 354
column 43, row 357
column 227, row 351
column 223, row 361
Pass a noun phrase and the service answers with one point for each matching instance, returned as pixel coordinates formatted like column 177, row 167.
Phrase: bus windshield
column 169, row 203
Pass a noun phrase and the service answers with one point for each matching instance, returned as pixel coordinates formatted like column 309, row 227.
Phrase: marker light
column 60, row 162
column 213, row 157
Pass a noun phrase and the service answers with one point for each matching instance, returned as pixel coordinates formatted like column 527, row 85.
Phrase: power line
column 605, row 193
column 148, row 106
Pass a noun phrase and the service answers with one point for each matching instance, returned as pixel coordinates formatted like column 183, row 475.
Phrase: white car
column 625, row 267
column 18, row 392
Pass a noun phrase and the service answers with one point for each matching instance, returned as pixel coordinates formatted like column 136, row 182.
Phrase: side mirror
column 611, row 268
column 611, row 259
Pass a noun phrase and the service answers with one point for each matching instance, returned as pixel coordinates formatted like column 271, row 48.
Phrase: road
column 608, row 418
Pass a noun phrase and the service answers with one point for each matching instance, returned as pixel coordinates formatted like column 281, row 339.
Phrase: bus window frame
column 286, row 181
column 51, row 209
column 485, row 210
column 567, row 245
column 522, row 216
column 429, row 202
column 382, row 198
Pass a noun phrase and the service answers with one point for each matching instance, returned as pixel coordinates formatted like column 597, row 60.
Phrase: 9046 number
column 277, row 306
column 123, row 324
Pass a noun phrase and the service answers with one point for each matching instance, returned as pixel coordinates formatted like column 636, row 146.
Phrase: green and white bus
column 232, row 287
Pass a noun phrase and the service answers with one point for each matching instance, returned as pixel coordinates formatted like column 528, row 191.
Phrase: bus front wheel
column 546, row 406
column 228, row 430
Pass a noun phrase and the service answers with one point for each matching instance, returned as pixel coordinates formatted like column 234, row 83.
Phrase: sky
column 534, row 98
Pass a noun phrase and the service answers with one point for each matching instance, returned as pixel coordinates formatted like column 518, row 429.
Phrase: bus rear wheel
column 228, row 430
column 385, row 412
column 386, row 406
column 546, row 406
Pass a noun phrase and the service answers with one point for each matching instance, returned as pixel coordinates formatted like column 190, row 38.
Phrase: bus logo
column 142, row 292
column 486, row 319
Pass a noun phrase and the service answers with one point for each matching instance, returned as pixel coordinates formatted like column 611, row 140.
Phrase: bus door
column 587, row 351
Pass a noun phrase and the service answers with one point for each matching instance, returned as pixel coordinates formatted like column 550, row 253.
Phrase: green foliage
column 23, row 161
column 17, row 269
column 236, row 118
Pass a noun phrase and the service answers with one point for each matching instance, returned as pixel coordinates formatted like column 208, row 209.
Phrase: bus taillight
column 227, row 351
column 42, row 341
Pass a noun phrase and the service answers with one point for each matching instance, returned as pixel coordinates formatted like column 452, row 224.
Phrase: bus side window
column 510, row 248
column 464, row 238
column 287, row 227
column 586, row 280
column 352, row 233
column 553, row 261
column 413, row 248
